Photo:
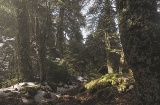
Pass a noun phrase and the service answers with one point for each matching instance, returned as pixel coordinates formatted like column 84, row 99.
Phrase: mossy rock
column 105, row 81
column 47, row 95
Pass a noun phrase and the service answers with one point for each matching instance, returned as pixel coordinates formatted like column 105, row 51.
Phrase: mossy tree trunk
column 23, row 42
column 140, row 36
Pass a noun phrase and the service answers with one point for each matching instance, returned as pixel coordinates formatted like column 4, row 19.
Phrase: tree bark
column 60, row 34
column 140, row 36
column 23, row 42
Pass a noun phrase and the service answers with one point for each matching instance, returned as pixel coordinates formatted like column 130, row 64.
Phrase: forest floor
column 110, row 89
column 74, row 97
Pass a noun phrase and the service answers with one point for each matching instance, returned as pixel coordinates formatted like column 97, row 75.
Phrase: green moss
column 104, row 80
column 119, row 81
column 121, row 87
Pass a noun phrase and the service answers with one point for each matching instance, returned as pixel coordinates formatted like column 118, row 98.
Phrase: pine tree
column 106, row 31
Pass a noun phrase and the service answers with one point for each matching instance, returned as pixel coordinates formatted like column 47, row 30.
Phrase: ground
column 110, row 89
column 120, row 98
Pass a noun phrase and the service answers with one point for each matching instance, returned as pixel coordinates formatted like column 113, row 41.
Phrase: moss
column 120, row 81
column 121, row 87
column 104, row 81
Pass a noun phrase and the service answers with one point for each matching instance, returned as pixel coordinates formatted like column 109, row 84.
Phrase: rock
column 27, row 96
column 130, row 88
column 47, row 95
column 50, row 102
column 28, row 101
column 24, row 85
column 16, row 89
column 7, row 91
column 13, row 94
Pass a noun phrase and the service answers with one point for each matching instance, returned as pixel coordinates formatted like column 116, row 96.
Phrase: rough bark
column 140, row 36
column 23, row 42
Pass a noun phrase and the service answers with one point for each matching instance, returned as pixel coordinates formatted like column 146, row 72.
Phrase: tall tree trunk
column 40, row 44
column 110, row 29
column 23, row 42
column 60, row 34
column 108, row 48
column 140, row 36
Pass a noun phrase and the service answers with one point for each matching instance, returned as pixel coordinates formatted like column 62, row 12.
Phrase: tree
column 69, row 16
column 7, row 35
column 105, row 30
column 60, row 31
column 139, row 28
column 23, row 41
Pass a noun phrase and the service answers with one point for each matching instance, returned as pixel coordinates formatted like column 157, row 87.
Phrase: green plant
column 58, row 73
column 30, row 90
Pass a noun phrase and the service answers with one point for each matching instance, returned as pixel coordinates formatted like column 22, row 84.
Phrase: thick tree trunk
column 140, row 36
column 23, row 42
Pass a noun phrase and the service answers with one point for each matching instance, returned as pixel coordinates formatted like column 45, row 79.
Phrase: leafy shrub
column 8, row 83
column 57, row 73
column 30, row 90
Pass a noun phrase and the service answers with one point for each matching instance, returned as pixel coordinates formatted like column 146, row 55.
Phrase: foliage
column 95, row 53
column 57, row 72
column 74, row 58
column 30, row 90
column 140, row 29
column 8, row 82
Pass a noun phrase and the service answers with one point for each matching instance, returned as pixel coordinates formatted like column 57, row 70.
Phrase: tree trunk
column 60, row 34
column 23, row 42
column 140, row 36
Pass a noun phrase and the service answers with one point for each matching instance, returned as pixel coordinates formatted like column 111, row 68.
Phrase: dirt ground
column 73, row 97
